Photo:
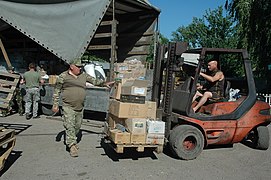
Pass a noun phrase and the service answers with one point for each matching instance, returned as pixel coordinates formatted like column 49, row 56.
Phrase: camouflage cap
column 77, row 62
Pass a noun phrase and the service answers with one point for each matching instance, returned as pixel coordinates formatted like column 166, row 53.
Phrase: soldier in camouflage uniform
column 72, row 85
column 32, row 80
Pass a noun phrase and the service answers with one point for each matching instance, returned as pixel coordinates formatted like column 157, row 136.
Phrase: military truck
column 53, row 33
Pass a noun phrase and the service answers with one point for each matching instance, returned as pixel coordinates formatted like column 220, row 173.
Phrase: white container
column 99, row 72
column 95, row 71
column 155, row 127
column 89, row 68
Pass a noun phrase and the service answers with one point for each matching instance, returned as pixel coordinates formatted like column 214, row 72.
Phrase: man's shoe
column 27, row 116
column 73, row 151
column 36, row 117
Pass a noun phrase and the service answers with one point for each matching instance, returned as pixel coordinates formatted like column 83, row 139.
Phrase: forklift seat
column 227, row 87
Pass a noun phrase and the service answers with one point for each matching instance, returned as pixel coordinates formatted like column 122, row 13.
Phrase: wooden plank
column 159, row 148
column 143, row 43
column 7, row 90
column 7, row 150
column 102, row 35
column 5, row 53
column 7, row 74
column 106, row 23
column 5, row 106
column 138, row 53
column 8, row 83
column 6, row 133
column 97, row 47
column 140, row 148
column 119, row 148
column 4, row 100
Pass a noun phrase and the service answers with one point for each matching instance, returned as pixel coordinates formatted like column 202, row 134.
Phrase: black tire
column 172, row 139
column 186, row 142
column 263, row 138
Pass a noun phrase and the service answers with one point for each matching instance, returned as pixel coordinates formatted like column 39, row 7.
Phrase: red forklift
column 216, row 123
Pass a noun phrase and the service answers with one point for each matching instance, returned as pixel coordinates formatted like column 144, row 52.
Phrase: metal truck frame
column 113, row 30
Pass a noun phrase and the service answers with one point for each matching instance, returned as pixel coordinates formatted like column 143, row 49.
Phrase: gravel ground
column 40, row 154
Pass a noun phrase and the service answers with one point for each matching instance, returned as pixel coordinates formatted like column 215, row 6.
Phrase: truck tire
column 186, row 142
column 263, row 138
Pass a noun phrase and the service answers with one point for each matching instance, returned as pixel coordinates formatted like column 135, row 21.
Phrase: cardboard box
column 139, row 73
column 132, row 110
column 115, row 91
column 151, row 109
column 155, row 138
column 113, row 120
column 132, row 99
column 121, row 67
column 157, row 127
column 136, row 125
column 119, row 137
column 138, row 138
column 135, row 87
column 123, row 74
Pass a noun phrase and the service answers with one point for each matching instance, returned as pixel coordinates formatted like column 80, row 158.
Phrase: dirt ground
column 40, row 154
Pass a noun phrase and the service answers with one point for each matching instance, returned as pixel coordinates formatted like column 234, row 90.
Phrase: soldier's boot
column 73, row 151
column 28, row 116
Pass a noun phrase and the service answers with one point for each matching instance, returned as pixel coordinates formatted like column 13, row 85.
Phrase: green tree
column 254, row 19
column 163, row 39
column 212, row 30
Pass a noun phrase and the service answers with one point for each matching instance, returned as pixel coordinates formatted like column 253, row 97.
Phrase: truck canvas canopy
column 66, row 28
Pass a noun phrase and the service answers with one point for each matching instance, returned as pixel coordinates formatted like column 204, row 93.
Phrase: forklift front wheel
column 186, row 141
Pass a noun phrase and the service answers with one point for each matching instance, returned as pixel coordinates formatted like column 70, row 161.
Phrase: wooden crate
column 8, row 84
column 7, row 142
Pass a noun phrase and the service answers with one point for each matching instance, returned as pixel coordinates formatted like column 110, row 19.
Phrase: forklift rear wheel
column 186, row 141
column 263, row 138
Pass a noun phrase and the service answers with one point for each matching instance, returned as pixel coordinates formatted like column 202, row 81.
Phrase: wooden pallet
column 8, row 84
column 119, row 148
column 7, row 142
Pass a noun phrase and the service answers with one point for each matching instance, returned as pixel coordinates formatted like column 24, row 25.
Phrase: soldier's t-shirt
column 73, row 89
column 32, row 79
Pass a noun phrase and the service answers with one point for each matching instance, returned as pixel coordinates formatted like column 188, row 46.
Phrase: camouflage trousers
column 19, row 100
column 72, row 121
column 32, row 98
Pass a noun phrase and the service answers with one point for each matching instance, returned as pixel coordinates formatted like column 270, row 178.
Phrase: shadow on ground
column 17, row 127
column 129, row 152
column 14, row 155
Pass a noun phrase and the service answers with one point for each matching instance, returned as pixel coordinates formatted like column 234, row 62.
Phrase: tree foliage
column 212, row 30
column 254, row 19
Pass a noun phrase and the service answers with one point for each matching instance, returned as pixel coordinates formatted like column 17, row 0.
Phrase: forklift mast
column 166, row 59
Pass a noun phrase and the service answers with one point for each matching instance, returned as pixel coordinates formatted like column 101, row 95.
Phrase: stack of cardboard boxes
column 129, row 69
column 132, row 119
